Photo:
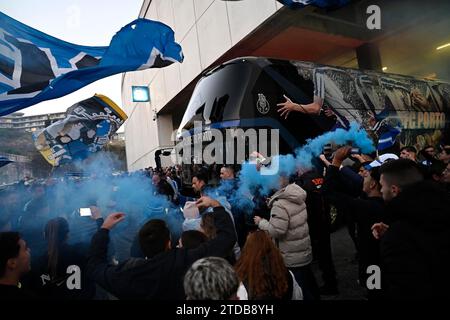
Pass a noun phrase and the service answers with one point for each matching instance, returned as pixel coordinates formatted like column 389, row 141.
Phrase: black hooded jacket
column 415, row 250
column 160, row 277
column 363, row 211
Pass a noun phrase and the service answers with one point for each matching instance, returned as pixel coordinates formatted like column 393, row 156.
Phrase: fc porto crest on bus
column 262, row 104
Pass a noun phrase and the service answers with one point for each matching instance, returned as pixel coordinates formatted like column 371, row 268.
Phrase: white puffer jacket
column 288, row 225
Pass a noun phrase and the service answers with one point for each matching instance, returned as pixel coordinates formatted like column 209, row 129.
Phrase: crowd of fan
column 396, row 209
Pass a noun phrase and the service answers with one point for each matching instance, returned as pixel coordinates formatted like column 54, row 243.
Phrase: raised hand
column 113, row 219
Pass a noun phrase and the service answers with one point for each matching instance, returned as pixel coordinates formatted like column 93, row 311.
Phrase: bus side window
column 218, row 108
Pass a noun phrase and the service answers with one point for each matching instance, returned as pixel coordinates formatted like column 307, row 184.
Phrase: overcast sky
column 83, row 22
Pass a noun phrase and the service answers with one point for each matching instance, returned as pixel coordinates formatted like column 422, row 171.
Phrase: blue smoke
column 132, row 194
column 355, row 136
column 251, row 181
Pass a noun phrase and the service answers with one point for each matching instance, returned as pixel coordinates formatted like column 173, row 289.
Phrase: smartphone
column 190, row 210
column 85, row 212
column 355, row 151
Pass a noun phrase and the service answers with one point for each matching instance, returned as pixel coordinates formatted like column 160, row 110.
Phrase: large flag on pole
column 35, row 67
column 88, row 126
column 328, row 4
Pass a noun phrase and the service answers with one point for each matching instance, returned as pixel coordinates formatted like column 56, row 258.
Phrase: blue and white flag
column 87, row 127
column 35, row 67
column 328, row 4
column 388, row 137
